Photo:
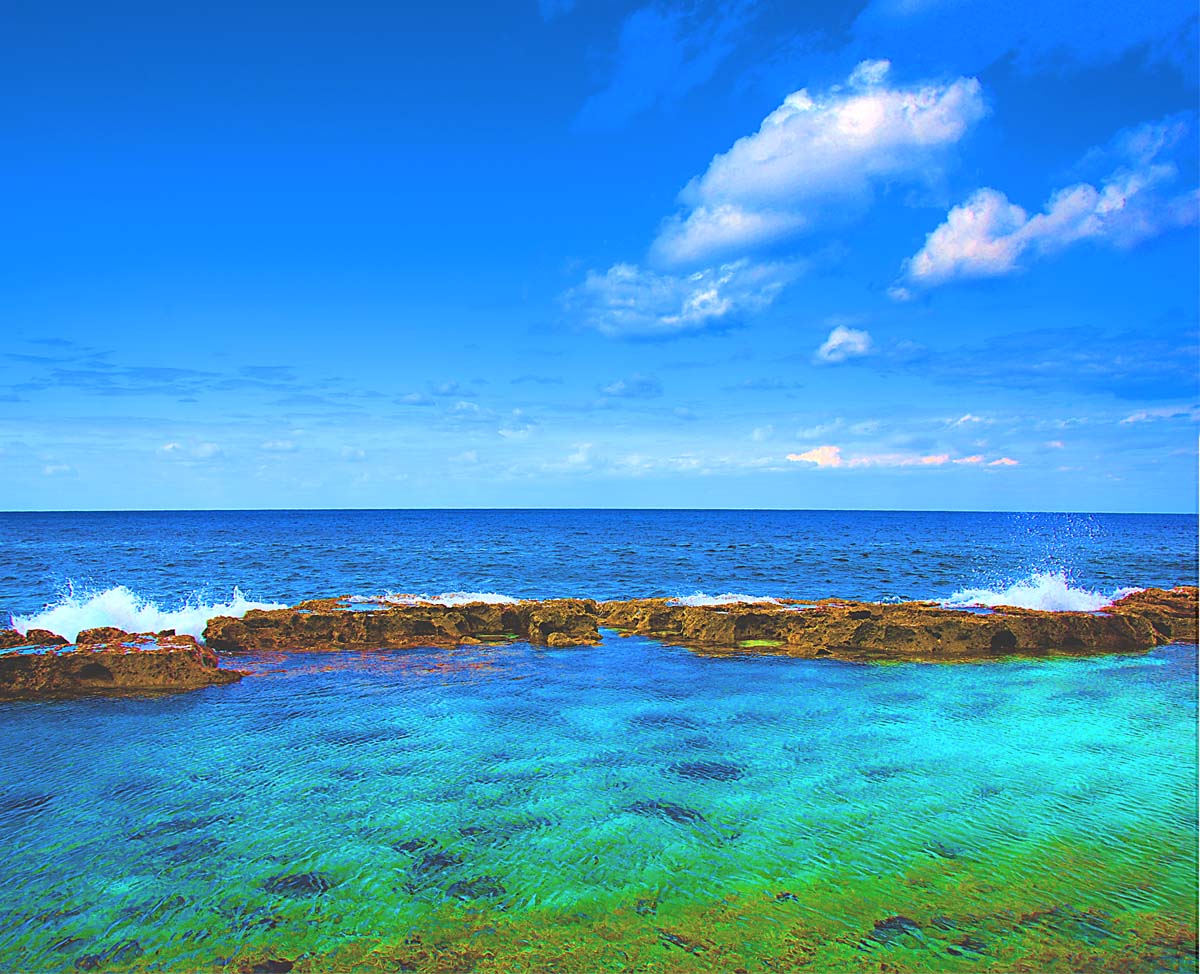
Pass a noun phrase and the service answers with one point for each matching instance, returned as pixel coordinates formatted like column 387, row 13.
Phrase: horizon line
column 774, row 510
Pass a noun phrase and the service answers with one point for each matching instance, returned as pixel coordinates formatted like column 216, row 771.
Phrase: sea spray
column 1049, row 591
column 123, row 608
column 728, row 598
column 446, row 598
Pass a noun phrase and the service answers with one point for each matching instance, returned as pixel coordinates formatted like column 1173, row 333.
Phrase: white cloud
column 844, row 343
column 629, row 301
column 966, row 419
column 822, row 456
column 722, row 228
column 830, row 457
column 816, row 152
column 278, row 446
column 1190, row 413
column 207, row 451
column 989, row 236
column 54, row 469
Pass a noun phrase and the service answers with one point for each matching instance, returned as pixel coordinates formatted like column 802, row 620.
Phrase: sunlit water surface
column 633, row 805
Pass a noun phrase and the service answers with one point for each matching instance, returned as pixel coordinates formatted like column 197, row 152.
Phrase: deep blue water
column 169, row 557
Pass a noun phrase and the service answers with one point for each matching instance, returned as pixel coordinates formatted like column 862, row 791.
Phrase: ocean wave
column 1049, row 591
column 125, row 609
column 446, row 598
column 729, row 598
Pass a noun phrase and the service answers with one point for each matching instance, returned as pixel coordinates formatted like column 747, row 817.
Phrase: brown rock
column 324, row 624
column 10, row 638
column 101, row 634
column 915, row 631
column 1171, row 611
column 126, row 662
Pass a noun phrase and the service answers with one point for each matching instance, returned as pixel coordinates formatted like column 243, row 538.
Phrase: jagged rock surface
column 916, row 631
column 325, row 624
column 1171, row 611
column 105, row 660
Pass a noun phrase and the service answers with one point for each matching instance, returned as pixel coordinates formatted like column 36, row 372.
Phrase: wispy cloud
column 663, row 53
column 1190, row 413
column 815, row 155
column 831, row 457
column 632, row 302
column 636, row 386
column 553, row 9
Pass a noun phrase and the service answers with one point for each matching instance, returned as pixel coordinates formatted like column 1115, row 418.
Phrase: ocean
column 632, row 806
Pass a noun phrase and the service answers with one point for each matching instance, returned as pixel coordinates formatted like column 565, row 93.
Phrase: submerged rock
column 42, row 664
column 668, row 810
column 299, row 884
column 479, row 888
column 707, row 770
column 893, row 928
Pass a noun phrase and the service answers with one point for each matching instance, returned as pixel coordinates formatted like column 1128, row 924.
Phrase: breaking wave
column 729, row 598
column 446, row 598
column 125, row 609
column 1050, row 591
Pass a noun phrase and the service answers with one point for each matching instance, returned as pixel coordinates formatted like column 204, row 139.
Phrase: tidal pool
column 632, row 806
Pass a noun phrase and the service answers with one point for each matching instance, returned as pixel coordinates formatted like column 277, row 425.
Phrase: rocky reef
column 915, row 631
column 42, row 664
column 324, row 624
column 911, row 631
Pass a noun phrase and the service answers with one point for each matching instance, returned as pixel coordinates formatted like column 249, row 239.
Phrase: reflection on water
column 608, row 808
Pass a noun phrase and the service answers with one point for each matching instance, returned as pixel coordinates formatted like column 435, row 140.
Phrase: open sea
column 630, row 807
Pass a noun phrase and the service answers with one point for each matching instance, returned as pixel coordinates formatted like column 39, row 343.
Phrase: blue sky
column 900, row 254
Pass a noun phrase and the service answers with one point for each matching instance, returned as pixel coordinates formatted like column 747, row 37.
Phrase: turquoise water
column 628, row 805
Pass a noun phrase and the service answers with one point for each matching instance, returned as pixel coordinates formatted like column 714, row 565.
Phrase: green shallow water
column 629, row 807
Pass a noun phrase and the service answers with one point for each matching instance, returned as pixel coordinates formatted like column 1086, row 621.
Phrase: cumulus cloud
column 830, row 457
column 630, row 301
column 816, row 152
column 989, row 236
column 844, row 343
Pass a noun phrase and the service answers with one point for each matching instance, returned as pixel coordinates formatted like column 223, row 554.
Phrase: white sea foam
column 729, row 598
column 1050, row 591
column 125, row 609
column 447, row 598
